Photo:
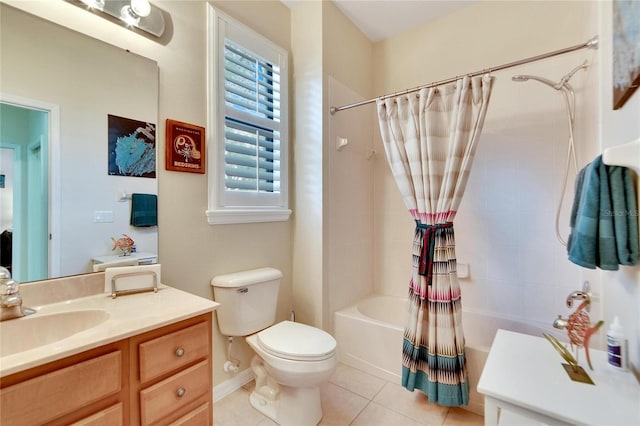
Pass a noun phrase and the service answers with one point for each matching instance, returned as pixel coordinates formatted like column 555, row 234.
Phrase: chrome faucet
column 560, row 322
column 10, row 300
column 578, row 295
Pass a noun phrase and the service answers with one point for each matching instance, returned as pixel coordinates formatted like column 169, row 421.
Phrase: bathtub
column 369, row 336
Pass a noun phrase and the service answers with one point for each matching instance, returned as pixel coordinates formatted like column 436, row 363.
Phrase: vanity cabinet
column 160, row 377
column 171, row 379
column 83, row 388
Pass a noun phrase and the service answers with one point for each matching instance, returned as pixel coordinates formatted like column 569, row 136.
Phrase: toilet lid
column 295, row 341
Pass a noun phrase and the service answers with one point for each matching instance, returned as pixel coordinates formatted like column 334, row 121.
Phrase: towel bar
column 627, row 155
column 115, row 293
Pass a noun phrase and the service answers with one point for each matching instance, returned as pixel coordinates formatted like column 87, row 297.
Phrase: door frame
column 53, row 115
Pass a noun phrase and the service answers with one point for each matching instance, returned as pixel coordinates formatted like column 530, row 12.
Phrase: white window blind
column 252, row 121
column 248, row 116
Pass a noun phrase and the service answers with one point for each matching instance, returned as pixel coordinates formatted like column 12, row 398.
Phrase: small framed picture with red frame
column 185, row 147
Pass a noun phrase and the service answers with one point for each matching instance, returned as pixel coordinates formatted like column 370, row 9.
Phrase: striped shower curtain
column 430, row 139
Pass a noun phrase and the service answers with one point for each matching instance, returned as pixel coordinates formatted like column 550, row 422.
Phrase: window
column 248, row 120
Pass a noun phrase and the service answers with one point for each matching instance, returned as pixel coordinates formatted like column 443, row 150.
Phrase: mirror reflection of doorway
column 24, row 214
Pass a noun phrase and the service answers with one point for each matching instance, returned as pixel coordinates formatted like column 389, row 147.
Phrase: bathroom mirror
column 75, row 113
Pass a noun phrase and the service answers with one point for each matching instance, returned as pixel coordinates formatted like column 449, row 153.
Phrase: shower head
column 556, row 86
column 564, row 81
column 567, row 77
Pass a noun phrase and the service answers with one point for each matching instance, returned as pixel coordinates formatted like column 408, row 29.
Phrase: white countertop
column 115, row 257
column 128, row 315
column 526, row 371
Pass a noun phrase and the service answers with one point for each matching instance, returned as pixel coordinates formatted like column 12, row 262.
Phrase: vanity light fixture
column 94, row 4
column 141, row 8
column 138, row 14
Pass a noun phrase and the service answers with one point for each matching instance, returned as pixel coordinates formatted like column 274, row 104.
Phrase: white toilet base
column 293, row 407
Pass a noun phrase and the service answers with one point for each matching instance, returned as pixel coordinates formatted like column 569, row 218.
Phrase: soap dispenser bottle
column 617, row 345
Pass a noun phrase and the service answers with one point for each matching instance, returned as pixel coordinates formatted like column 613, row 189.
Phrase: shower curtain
column 430, row 139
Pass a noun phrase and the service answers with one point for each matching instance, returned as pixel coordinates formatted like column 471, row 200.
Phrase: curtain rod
column 589, row 44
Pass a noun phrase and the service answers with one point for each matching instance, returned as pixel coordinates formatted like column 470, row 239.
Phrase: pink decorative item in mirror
column 125, row 244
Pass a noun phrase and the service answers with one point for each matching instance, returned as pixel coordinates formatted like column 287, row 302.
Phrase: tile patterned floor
column 353, row 397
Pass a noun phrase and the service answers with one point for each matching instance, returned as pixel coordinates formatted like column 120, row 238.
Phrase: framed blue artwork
column 132, row 147
column 626, row 50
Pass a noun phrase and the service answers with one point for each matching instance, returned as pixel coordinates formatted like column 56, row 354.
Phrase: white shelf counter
column 524, row 376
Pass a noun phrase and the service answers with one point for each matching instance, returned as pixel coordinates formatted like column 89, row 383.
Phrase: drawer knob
column 180, row 392
column 179, row 352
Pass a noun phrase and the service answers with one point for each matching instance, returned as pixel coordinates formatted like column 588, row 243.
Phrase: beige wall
column 347, row 53
column 306, row 36
column 525, row 122
column 191, row 251
column 325, row 45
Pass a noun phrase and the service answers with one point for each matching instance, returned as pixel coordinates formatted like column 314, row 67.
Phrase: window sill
column 230, row 216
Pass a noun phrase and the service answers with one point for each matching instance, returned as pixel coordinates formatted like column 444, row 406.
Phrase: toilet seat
column 297, row 342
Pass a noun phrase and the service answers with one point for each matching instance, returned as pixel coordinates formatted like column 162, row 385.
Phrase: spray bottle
column 617, row 345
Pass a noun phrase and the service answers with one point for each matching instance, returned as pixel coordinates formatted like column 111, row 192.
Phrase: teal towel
column 625, row 214
column 604, row 228
column 144, row 210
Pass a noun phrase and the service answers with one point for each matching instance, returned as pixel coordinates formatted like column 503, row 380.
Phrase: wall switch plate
column 103, row 216
column 463, row 270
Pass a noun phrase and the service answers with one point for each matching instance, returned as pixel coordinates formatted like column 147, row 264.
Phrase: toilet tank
column 248, row 300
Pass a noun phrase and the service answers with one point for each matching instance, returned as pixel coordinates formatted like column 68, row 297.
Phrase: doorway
column 25, row 213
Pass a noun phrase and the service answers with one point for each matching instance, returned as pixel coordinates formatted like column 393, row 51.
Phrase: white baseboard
column 229, row 386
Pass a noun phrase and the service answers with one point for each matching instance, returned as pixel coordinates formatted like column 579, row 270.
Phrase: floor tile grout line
column 356, row 393
column 380, row 390
column 360, row 412
column 404, row 414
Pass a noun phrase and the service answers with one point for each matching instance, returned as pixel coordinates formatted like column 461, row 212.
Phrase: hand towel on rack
column 604, row 232
column 625, row 214
column 144, row 210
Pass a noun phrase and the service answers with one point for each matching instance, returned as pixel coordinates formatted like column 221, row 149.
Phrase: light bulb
column 129, row 16
column 141, row 8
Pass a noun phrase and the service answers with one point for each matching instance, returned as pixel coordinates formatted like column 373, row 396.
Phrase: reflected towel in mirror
column 144, row 210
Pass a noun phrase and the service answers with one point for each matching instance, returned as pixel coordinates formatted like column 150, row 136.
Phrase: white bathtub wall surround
column 383, row 317
column 350, row 217
column 505, row 225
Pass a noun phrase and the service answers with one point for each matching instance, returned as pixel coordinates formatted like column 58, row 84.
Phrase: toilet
column 292, row 359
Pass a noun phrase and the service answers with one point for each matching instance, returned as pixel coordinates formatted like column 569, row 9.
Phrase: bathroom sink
column 22, row 334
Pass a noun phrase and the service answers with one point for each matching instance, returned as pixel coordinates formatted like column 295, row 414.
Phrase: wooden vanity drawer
column 51, row 395
column 173, row 351
column 111, row 416
column 197, row 417
column 173, row 393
